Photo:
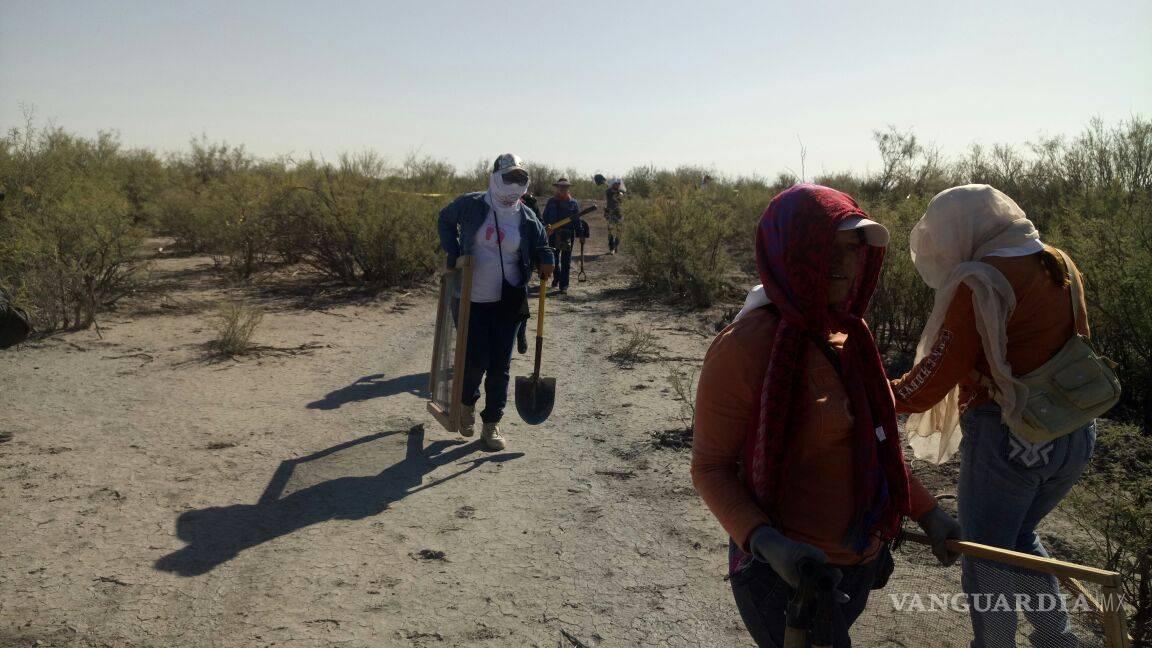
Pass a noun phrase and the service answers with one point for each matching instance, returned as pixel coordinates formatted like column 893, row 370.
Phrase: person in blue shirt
column 560, row 206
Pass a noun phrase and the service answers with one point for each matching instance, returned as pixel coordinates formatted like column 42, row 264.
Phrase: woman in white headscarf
column 1003, row 308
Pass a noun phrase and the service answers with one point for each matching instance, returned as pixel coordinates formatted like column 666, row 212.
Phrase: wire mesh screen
column 924, row 605
column 445, row 347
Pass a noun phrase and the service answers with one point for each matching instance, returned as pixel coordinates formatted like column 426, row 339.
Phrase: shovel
column 564, row 221
column 582, row 276
column 535, row 396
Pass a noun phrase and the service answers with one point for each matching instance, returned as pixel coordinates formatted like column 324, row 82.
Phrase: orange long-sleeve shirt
column 1036, row 330
column 819, row 506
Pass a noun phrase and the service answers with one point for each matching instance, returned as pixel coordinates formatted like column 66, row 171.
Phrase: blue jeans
column 491, row 335
column 762, row 598
column 1000, row 503
column 563, row 267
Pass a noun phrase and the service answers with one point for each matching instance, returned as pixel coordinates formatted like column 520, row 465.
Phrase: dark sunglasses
column 515, row 177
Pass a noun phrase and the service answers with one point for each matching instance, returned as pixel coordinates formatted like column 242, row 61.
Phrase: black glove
column 940, row 528
column 783, row 554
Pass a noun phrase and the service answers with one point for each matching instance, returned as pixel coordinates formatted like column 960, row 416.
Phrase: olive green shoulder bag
column 1074, row 387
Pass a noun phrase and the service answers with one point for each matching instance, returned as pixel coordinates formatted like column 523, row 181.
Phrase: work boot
column 467, row 421
column 491, row 437
column 521, row 341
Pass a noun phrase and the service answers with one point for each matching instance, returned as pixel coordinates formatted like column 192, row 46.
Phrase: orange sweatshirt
column 819, row 507
column 1037, row 329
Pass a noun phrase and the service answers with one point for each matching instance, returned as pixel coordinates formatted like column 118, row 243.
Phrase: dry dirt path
column 153, row 497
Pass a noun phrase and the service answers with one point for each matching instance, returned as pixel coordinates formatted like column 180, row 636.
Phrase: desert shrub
column 359, row 232
column 241, row 212
column 1112, row 245
column 68, row 235
column 178, row 215
column 1112, row 505
column 683, row 385
column 236, row 323
column 902, row 302
column 422, row 174
column 637, row 345
column 142, row 177
column 677, row 245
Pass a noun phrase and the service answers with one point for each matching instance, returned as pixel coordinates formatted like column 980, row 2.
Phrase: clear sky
column 599, row 86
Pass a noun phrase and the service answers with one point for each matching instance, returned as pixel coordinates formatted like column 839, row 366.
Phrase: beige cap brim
column 875, row 234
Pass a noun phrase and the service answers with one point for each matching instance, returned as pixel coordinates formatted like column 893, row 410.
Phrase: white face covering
column 503, row 196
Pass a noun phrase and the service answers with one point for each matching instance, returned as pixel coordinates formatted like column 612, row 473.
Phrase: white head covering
column 504, row 197
column 961, row 226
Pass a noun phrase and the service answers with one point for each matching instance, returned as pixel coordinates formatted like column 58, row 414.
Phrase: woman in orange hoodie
column 796, row 450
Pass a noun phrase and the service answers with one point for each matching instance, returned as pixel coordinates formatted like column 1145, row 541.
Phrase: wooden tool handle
column 561, row 223
column 539, row 331
column 1023, row 560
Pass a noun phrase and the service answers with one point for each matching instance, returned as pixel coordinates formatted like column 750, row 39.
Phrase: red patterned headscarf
column 794, row 244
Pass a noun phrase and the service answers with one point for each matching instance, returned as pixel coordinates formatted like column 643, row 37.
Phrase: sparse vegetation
column 237, row 321
column 637, row 345
column 683, row 384
column 1090, row 194
column 1112, row 505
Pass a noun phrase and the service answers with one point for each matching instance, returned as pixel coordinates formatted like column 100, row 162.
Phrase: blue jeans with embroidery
column 1006, row 488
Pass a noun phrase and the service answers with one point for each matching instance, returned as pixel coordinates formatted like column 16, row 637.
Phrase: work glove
column 940, row 528
column 783, row 554
column 545, row 271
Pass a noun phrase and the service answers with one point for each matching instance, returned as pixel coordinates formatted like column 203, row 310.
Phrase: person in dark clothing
column 614, row 196
column 559, row 207
column 530, row 202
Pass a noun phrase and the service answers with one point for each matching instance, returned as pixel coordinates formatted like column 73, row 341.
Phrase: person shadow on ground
column 217, row 534
column 374, row 386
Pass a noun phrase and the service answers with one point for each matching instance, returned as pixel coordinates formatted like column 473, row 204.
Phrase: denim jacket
column 557, row 210
column 460, row 220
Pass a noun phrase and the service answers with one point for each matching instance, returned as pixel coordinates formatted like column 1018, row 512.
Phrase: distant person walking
column 614, row 196
column 530, row 202
column 559, row 207
column 506, row 241
column 1005, row 307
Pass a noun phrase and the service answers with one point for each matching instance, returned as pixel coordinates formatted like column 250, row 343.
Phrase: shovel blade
column 535, row 398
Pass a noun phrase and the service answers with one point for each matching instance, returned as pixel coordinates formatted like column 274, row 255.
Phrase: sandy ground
column 153, row 495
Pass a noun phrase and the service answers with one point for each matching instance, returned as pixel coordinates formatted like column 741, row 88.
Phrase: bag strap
column 1077, row 289
column 499, row 243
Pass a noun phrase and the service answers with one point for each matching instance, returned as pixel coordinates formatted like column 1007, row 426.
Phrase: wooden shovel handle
column 540, row 330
